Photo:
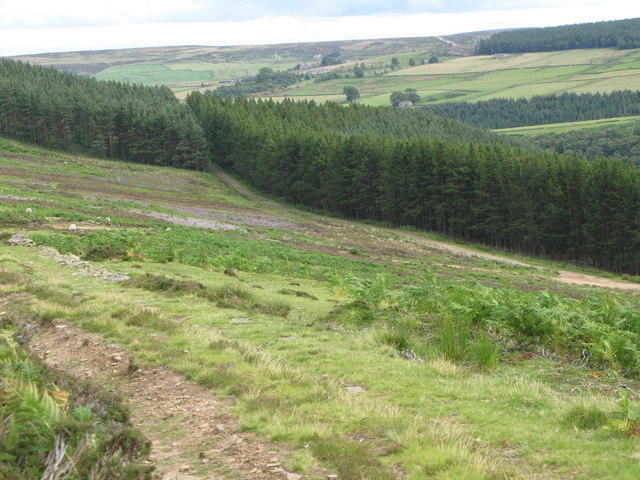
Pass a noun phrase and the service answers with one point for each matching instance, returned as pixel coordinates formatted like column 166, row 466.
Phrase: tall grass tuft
column 585, row 417
column 453, row 338
column 485, row 352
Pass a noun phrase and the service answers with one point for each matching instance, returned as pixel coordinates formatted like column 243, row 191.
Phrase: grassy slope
column 476, row 78
column 623, row 124
column 435, row 419
column 190, row 66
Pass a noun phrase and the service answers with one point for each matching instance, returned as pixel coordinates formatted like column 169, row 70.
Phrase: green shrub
column 585, row 417
column 101, row 253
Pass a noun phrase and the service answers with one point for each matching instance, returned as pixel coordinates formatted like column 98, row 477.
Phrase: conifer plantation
column 621, row 34
column 104, row 119
column 541, row 109
column 412, row 168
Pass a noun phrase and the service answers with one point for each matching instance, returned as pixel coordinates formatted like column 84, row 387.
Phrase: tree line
column 610, row 143
column 541, row 109
column 621, row 34
column 105, row 119
column 265, row 81
column 361, row 163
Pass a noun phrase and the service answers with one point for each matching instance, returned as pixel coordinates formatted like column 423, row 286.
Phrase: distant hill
column 185, row 68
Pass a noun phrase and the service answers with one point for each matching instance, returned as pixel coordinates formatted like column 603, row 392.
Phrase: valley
column 213, row 266
column 327, row 340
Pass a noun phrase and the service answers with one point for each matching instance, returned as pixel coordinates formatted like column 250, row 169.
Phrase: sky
column 39, row 26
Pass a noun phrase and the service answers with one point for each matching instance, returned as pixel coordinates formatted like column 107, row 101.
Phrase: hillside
column 483, row 77
column 190, row 66
column 401, row 166
column 347, row 349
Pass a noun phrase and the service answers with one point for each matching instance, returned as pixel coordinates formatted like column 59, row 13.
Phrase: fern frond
column 23, row 398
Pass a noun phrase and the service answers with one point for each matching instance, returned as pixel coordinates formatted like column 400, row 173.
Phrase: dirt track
column 194, row 434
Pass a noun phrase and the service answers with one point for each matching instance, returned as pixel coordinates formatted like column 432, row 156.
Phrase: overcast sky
column 38, row 26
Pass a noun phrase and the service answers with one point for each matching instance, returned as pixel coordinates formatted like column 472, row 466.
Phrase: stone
column 356, row 389
column 240, row 320
column 291, row 476
column 20, row 240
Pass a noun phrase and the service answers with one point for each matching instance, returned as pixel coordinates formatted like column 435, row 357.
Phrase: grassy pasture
column 290, row 322
column 476, row 78
column 153, row 74
column 619, row 123
column 180, row 73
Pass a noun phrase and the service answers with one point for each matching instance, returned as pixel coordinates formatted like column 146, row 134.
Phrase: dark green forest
column 361, row 163
column 540, row 110
column 265, row 81
column 106, row 119
column 610, row 143
column 620, row 34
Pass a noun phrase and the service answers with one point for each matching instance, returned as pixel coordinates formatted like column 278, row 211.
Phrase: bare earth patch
column 194, row 436
column 189, row 221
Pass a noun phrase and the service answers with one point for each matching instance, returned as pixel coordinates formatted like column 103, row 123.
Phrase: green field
column 626, row 124
column 186, row 73
column 475, row 78
column 355, row 350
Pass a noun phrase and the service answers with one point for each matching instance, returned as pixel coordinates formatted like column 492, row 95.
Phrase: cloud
column 76, row 13
column 180, row 28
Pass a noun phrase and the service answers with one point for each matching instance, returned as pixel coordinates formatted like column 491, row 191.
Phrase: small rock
column 115, row 358
column 291, row 476
column 332, row 477
column 73, row 227
column 184, row 468
column 635, row 456
column 240, row 320
column 20, row 240
column 274, row 460
column 356, row 389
